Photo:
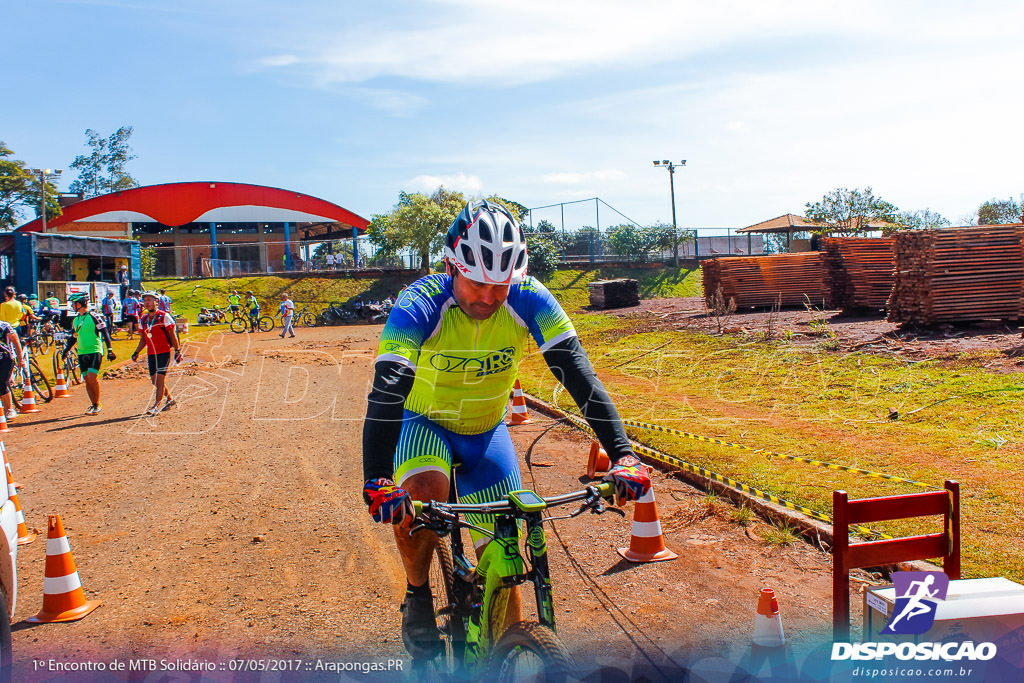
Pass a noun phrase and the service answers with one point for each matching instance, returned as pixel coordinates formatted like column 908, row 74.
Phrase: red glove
column 630, row 477
column 388, row 503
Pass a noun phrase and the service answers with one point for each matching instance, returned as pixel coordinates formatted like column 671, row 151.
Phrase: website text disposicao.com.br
column 912, row 673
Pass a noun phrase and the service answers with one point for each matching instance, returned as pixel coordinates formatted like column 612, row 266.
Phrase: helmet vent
column 488, row 257
column 467, row 256
column 485, row 232
column 507, row 237
column 520, row 259
column 506, row 256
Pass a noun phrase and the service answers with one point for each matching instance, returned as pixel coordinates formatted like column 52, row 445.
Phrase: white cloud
column 393, row 102
column 279, row 60
column 467, row 184
column 604, row 176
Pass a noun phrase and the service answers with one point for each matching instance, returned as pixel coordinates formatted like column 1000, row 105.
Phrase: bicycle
column 304, row 317
column 35, row 377
column 336, row 314
column 264, row 324
column 472, row 612
column 69, row 363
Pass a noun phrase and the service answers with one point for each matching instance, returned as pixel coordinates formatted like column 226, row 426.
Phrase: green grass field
column 962, row 423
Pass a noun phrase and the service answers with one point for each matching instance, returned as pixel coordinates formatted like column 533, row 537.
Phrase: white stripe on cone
column 647, row 529
column 57, row 546
column 61, row 584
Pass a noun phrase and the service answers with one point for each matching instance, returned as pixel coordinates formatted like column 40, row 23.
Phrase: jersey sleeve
column 416, row 314
column 540, row 313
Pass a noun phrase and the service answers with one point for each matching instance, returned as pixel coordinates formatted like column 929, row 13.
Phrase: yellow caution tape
column 732, row 483
column 772, row 454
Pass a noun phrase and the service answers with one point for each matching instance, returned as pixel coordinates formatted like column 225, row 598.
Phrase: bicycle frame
column 481, row 599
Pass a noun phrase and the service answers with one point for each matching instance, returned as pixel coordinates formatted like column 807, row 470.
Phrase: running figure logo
column 917, row 596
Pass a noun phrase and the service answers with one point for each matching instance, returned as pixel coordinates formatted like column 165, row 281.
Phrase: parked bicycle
column 337, row 314
column 40, row 385
column 304, row 317
column 69, row 363
column 472, row 614
column 241, row 324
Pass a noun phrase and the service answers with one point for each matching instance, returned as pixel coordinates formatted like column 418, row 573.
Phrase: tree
column 924, row 219
column 638, row 243
column 19, row 188
column 544, row 255
column 1001, row 211
column 103, row 170
column 851, row 212
column 417, row 222
column 15, row 187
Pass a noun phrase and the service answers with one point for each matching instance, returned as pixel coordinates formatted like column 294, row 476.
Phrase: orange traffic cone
column 63, row 597
column 768, row 623
column 646, row 544
column 517, row 414
column 60, row 389
column 3, row 420
column 24, row 535
column 28, row 399
column 598, row 462
column 7, row 464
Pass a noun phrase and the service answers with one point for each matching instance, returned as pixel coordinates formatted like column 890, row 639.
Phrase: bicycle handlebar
column 604, row 489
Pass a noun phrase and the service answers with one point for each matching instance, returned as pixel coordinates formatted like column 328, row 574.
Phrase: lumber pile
column 764, row 281
column 959, row 275
column 614, row 293
column 860, row 271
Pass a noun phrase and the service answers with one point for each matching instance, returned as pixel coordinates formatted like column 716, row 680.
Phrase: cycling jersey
column 89, row 331
column 252, row 304
column 11, row 312
column 158, row 329
column 131, row 306
column 164, row 303
column 465, row 368
column 234, row 300
column 457, row 372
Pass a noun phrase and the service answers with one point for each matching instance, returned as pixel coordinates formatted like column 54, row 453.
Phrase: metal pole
column 562, row 207
column 675, row 231
column 42, row 198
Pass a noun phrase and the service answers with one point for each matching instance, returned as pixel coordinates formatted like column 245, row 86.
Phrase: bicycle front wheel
column 266, row 323
column 239, row 325
column 530, row 651
column 71, row 369
column 40, row 384
column 450, row 624
column 307, row 320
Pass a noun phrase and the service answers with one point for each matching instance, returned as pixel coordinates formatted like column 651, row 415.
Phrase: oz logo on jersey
column 917, row 596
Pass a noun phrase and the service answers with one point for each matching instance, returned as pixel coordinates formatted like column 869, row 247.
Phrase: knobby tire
column 531, row 638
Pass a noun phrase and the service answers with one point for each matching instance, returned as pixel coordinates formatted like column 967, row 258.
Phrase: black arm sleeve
column 392, row 383
column 571, row 366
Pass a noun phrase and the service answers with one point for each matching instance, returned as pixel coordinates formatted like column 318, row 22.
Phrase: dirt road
column 231, row 528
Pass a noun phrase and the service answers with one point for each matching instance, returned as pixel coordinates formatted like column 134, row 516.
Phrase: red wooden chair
column 889, row 551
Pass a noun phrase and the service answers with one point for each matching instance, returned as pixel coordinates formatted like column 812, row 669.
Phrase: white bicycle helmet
column 487, row 245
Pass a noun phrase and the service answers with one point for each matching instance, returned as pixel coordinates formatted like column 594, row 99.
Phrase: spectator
column 122, row 280
column 95, row 276
column 286, row 309
column 330, row 261
column 107, row 308
column 10, row 355
column 131, row 309
column 164, row 301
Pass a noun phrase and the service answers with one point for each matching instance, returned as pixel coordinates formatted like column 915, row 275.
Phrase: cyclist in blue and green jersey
column 252, row 307
column 447, row 361
column 90, row 333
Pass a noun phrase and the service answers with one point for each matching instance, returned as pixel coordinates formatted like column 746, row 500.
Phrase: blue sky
column 772, row 104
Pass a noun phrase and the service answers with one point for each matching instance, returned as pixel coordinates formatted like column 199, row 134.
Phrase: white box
column 982, row 610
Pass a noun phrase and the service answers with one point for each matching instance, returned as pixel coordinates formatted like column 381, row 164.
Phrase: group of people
column 157, row 334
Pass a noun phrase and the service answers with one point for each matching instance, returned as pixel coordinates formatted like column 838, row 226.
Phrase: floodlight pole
column 672, row 189
column 42, row 173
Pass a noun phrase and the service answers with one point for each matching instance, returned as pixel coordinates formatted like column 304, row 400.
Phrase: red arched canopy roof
column 181, row 203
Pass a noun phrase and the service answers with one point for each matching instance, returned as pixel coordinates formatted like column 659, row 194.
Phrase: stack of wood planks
column 614, row 293
column 860, row 271
column 959, row 274
column 756, row 281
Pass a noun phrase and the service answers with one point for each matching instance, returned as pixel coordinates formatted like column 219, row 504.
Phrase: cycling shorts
column 486, row 467
column 6, row 370
column 90, row 362
column 158, row 363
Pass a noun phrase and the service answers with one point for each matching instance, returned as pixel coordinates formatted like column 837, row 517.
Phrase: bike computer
column 527, row 501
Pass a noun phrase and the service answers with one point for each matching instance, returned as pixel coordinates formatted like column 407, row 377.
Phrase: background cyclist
column 448, row 358
column 158, row 335
column 90, row 333
column 252, row 306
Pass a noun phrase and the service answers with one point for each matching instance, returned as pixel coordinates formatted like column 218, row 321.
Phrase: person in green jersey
column 90, row 333
column 234, row 303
